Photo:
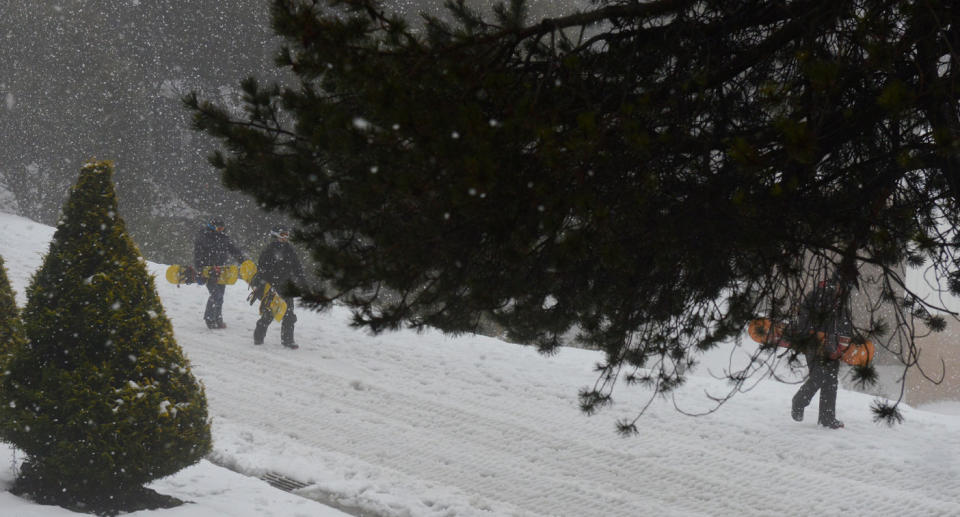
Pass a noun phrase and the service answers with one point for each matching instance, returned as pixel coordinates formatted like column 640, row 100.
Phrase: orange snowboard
column 765, row 331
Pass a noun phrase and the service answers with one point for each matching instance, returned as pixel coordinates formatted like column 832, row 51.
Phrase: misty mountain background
column 82, row 79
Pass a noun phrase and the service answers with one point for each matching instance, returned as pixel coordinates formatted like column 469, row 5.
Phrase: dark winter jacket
column 823, row 312
column 279, row 265
column 213, row 248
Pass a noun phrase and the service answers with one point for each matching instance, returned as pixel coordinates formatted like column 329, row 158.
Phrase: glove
column 832, row 348
column 257, row 290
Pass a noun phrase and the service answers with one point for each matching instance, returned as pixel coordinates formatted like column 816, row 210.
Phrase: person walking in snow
column 822, row 311
column 278, row 264
column 214, row 248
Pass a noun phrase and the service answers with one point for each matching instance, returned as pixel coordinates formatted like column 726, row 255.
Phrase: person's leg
column 213, row 313
column 830, row 370
column 260, row 332
column 286, row 325
column 809, row 388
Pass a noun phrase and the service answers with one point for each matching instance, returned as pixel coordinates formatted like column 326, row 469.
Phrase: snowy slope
column 408, row 424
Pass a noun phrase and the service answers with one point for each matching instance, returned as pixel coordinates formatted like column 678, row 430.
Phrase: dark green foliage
column 886, row 412
column 863, row 376
column 627, row 428
column 12, row 339
column 102, row 399
column 646, row 176
column 11, row 328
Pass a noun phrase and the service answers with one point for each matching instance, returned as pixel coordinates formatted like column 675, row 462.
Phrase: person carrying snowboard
column 279, row 266
column 823, row 311
column 214, row 248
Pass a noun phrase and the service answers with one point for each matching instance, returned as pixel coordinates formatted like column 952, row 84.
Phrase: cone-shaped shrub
column 11, row 329
column 101, row 399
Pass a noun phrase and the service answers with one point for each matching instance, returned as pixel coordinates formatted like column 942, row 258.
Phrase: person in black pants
column 213, row 247
column 822, row 311
column 278, row 265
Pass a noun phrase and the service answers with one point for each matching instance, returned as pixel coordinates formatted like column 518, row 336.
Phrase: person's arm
column 844, row 321
column 263, row 263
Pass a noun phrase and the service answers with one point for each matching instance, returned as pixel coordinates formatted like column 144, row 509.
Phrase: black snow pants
column 823, row 377
column 286, row 324
column 214, row 312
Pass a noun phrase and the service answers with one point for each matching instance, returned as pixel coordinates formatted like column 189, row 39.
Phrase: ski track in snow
column 487, row 442
column 423, row 425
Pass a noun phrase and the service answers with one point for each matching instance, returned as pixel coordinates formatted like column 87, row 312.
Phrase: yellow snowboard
column 228, row 275
column 247, row 270
column 272, row 300
column 177, row 274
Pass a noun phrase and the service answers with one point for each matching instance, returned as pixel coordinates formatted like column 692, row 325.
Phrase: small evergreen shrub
column 11, row 328
column 100, row 399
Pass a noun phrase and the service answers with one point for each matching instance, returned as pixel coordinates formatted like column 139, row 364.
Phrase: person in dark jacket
column 279, row 265
column 214, row 248
column 822, row 311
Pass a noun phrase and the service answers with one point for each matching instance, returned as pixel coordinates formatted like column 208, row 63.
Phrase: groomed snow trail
column 499, row 424
column 407, row 424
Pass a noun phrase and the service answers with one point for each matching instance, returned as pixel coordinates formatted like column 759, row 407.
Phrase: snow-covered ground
column 408, row 424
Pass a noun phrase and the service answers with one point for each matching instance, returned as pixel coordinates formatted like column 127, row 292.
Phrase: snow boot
column 832, row 423
column 260, row 331
column 292, row 346
column 796, row 412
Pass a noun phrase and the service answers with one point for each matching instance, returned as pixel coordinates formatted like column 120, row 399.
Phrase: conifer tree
column 644, row 176
column 11, row 328
column 101, row 399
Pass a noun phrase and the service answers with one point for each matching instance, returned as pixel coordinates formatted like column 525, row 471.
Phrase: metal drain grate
column 282, row 482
